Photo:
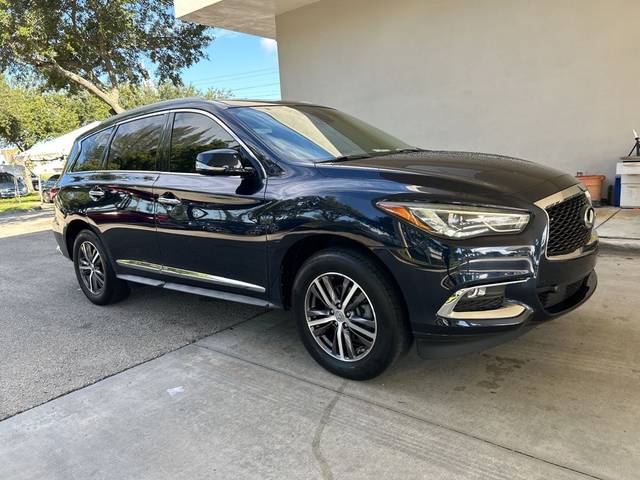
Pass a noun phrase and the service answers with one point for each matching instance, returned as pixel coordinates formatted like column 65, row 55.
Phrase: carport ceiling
column 248, row 16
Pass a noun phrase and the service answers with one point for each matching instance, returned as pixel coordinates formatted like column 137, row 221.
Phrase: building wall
column 554, row 81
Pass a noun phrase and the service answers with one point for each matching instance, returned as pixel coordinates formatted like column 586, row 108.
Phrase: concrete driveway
column 247, row 402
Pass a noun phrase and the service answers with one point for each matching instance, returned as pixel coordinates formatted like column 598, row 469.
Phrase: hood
column 469, row 173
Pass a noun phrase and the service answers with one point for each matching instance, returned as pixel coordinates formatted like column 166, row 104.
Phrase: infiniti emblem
column 589, row 217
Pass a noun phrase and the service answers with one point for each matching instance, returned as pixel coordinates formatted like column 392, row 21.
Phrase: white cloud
column 269, row 45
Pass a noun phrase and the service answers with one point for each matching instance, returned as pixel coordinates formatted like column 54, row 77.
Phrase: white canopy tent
column 47, row 158
column 56, row 148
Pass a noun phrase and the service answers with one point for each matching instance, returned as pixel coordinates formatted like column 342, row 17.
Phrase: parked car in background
column 371, row 242
column 11, row 186
column 49, row 188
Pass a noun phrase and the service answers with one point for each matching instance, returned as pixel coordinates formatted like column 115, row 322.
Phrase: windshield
column 306, row 133
column 6, row 178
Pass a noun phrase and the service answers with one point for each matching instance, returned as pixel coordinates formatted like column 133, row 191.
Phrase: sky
column 245, row 64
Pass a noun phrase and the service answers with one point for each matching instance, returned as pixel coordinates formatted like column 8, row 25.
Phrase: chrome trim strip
column 154, row 267
column 229, row 282
column 191, row 275
column 555, row 199
column 510, row 310
column 231, row 297
column 560, row 196
column 500, row 316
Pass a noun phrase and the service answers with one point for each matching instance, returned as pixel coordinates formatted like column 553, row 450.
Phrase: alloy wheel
column 91, row 267
column 340, row 316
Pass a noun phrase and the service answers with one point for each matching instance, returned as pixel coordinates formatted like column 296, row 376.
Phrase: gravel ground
column 54, row 340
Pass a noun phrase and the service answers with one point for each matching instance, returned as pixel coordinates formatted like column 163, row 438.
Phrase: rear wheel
column 349, row 316
column 94, row 272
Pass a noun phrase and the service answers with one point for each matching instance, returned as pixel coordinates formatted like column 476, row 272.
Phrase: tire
column 374, row 320
column 97, row 279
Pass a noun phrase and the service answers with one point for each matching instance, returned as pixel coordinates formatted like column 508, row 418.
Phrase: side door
column 209, row 227
column 122, row 202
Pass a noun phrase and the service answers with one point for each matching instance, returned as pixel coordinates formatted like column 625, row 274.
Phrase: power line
column 235, row 74
column 255, row 86
column 230, row 76
column 246, row 84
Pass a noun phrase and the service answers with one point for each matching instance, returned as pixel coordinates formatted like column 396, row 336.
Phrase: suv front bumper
column 534, row 288
column 461, row 334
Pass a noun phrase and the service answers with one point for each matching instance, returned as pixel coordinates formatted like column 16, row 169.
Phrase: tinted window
column 135, row 145
column 194, row 133
column 91, row 151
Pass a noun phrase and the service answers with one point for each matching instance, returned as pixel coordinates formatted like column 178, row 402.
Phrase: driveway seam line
column 405, row 414
column 615, row 213
column 252, row 317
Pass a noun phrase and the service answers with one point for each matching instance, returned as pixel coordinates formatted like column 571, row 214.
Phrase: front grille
column 479, row 304
column 567, row 229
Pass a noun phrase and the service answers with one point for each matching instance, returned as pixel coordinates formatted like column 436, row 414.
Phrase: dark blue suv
column 372, row 243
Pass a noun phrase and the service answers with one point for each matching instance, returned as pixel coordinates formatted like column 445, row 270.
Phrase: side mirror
column 222, row 161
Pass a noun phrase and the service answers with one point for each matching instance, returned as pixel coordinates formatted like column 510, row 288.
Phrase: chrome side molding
column 190, row 274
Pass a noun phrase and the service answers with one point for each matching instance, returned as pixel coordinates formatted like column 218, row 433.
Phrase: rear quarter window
column 92, row 151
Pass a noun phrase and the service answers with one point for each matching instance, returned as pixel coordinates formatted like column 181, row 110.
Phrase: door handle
column 96, row 194
column 169, row 200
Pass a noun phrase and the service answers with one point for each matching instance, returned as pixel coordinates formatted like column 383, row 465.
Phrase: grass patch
column 25, row 203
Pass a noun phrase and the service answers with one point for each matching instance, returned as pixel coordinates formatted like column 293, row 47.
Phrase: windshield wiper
column 406, row 150
column 358, row 156
column 355, row 156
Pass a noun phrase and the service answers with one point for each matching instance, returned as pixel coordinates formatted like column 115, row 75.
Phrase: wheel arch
column 73, row 229
column 304, row 248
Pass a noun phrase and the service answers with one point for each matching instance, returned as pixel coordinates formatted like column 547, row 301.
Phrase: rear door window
column 192, row 134
column 92, row 151
column 136, row 144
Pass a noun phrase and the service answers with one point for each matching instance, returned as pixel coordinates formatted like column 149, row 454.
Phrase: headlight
column 458, row 221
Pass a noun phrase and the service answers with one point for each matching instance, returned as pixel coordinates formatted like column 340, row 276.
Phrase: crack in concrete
column 340, row 392
column 325, row 468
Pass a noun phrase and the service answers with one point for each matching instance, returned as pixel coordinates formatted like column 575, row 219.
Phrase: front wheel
column 349, row 315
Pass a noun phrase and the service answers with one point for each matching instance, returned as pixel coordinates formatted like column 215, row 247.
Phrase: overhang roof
column 257, row 17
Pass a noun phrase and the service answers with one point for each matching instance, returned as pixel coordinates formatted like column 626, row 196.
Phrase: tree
column 132, row 96
column 28, row 115
column 98, row 45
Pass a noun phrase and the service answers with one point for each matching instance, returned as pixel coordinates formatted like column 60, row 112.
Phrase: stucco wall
column 554, row 81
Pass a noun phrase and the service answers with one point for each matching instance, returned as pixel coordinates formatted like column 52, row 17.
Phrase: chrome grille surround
column 585, row 238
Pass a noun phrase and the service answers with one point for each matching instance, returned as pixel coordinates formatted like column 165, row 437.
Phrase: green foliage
column 27, row 115
column 23, row 203
column 132, row 96
column 98, row 45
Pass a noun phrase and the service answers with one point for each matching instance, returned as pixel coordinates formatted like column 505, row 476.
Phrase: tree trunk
column 83, row 82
